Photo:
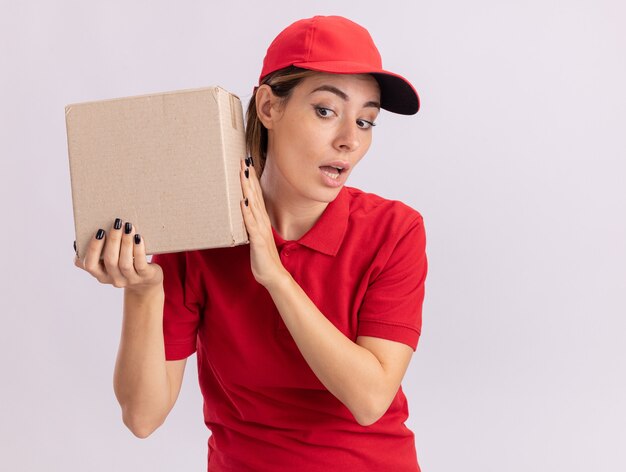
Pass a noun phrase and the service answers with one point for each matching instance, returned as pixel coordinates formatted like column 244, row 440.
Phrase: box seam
column 217, row 91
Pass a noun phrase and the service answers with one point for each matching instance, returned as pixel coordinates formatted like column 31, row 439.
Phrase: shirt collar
column 328, row 232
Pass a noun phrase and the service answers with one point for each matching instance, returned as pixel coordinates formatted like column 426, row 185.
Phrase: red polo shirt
column 363, row 264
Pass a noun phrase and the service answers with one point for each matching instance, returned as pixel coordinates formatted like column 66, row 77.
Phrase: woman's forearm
column 140, row 379
column 350, row 372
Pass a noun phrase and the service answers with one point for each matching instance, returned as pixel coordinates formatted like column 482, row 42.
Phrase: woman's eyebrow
column 342, row 95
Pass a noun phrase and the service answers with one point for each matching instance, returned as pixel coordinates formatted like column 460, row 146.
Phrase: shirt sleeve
column 392, row 305
column 182, row 307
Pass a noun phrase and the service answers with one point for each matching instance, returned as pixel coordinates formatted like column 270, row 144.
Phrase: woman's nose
column 347, row 138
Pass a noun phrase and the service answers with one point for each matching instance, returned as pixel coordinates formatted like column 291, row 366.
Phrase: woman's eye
column 323, row 112
column 364, row 124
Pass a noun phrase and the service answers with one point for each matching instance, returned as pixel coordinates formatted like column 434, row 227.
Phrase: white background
column 516, row 161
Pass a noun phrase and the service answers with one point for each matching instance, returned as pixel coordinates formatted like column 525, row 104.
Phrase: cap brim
column 397, row 95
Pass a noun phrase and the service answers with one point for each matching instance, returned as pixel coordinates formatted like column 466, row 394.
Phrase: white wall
column 516, row 161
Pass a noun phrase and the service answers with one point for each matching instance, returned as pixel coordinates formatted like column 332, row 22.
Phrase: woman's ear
column 266, row 103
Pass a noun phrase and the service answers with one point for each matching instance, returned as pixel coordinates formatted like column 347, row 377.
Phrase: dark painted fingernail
column 100, row 234
column 246, row 202
column 251, row 160
column 247, row 173
column 75, row 246
column 128, row 228
column 137, row 239
column 118, row 223
column 248, row 162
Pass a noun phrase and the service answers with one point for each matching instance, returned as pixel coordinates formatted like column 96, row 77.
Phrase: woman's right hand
column 123, row 263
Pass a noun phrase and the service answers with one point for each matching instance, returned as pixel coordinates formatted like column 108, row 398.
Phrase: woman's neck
column 291, row 214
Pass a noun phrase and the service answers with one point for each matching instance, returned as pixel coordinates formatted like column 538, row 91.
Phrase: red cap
column 337, row 45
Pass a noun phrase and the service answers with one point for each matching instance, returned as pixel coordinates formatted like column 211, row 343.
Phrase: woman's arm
column 364, row 376
column 145, row 384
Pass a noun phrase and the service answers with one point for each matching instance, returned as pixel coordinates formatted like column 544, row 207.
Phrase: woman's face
column 320, row 134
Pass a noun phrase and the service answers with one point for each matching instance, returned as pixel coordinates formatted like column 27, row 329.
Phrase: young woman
column 303, row 337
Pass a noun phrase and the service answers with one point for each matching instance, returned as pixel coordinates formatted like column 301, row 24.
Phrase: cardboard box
column 168, row 163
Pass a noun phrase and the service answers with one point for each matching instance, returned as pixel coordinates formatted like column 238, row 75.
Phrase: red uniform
column 364, row 265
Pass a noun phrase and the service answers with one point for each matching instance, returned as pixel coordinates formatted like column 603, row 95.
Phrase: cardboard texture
column 168, row 163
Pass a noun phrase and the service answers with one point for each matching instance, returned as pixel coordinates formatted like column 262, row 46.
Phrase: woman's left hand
column 264, row 259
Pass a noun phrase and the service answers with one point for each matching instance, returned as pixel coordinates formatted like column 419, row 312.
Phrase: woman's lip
column 345, row 165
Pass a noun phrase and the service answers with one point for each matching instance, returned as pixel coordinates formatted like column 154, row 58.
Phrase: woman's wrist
column 279, row 281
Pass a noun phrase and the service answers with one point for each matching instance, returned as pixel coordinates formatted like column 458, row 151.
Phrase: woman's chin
column 325, row 194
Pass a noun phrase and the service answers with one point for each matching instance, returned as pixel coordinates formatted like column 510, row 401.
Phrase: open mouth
column 332, row 171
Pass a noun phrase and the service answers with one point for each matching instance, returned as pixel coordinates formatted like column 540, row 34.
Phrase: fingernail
column 246, row 202
column 128, row 228
column 118, row 223
column 137, row 239
column 248, row 162
column 251, row 160
column 247, row 173
column 100, row 234
column 74, row 246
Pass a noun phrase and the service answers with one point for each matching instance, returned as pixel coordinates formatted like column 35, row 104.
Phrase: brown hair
column 282, row 82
